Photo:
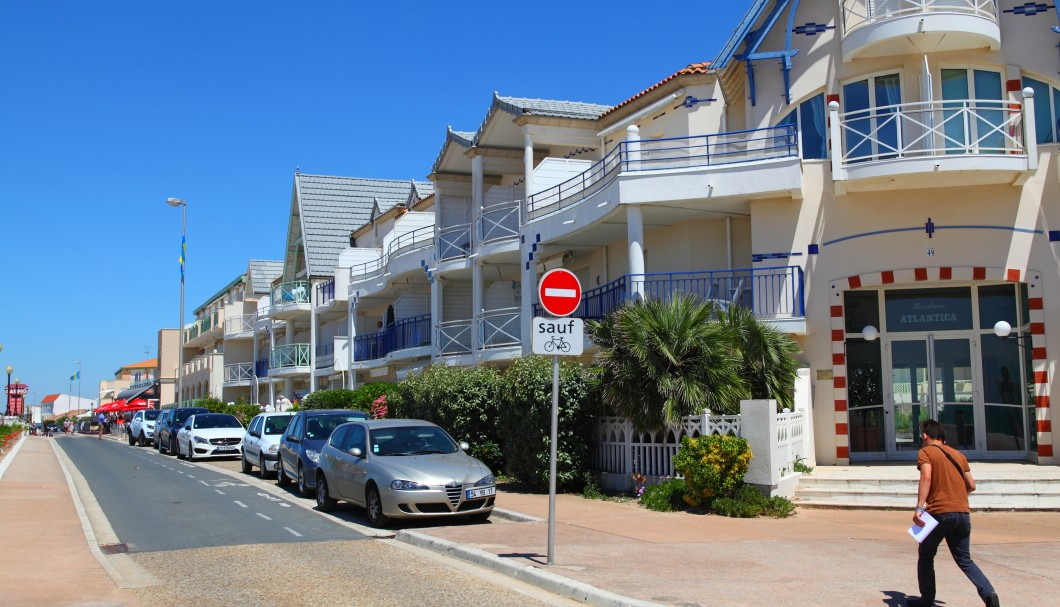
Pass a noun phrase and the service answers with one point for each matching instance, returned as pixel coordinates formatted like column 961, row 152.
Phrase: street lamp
column 177, row 202
column 7, row 411
column 17, row 382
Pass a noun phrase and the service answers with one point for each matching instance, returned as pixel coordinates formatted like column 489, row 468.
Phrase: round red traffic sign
column 559, row 292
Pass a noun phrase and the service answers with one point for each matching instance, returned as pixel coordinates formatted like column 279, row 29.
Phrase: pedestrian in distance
column 945, row 482
column 102, row 420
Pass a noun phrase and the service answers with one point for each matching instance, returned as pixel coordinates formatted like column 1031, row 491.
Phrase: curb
column 516, row 517
column 546, row 580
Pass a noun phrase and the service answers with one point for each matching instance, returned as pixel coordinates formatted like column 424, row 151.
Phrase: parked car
column 300, row 445
column 163, row 419
column 404, row 468
column 210, row 435
column 166, row 430
column 261, row 443
column 142, row 427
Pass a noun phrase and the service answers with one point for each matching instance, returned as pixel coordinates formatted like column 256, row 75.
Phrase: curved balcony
column 290, row 299
column 240, row 326
column 497, row 229
column 238, row 374
column 398, row 260
column 882, row 28
column 289, row 359
column 202, row 331
column 454, row 337
column 931, row 144
column 454, row 246
column 499, row 331
column 366, row 270
column 398, row 341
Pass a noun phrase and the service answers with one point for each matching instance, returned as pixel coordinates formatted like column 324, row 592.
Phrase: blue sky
column 108, row 108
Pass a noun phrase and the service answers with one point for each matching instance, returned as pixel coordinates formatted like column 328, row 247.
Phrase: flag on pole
column 76, row 375
column 183, row 254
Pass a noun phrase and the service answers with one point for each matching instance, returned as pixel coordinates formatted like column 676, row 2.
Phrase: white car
column 261, row 443
column 142, row 427
column 210, row 435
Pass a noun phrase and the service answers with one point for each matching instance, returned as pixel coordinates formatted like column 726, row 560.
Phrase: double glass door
column 932, row 377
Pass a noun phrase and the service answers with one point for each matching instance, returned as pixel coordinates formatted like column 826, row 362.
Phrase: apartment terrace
column 881, row 28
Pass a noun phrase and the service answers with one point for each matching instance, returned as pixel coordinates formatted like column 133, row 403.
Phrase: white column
column 477, row 287
column 272, row 346
column 1030, row 130
column 527, row 288
column 288, row 339
column 635, row 238
column 758, row 424
column 476, row 307
column 836, row 140
column 632, row 148
column 254, row 364
column 351, row 341
column 312, row 338
column 528, row 164
column 476, row 199
column 436, row 317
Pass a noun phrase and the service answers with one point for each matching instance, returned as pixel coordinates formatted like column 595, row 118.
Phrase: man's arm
column 969, row 482
column 922, row 492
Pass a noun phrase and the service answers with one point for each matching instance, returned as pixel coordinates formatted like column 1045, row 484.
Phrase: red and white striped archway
column 925, row 276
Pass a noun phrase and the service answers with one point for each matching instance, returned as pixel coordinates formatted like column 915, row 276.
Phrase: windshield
column 411, row 440
column 151, row 414
column 319, row 427
column 217, row 420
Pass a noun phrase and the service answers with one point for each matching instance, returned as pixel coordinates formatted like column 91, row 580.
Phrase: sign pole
column 552, row 464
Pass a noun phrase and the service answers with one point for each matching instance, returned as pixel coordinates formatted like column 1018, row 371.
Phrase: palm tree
column 666, row 359
column 769, row 356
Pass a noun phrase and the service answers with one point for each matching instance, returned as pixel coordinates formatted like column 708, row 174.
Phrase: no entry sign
column 559, row 292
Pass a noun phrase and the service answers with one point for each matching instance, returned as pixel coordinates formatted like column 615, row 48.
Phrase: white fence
column 619, row 449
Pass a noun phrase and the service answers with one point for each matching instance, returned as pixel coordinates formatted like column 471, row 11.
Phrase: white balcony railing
column 858, row 13
column 933, row 128
column 367, row 269
column 454, row 337
column 454, row 242
column 499, row 222
column 239, row 372
column 500, row 328
column 289, row 356
column 240, row 324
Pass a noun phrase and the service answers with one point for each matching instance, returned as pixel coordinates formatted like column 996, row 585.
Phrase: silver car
column 403, row 468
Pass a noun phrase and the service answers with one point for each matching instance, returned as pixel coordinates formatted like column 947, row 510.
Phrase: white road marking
column 263, row 516
column 284, row 505
column 293, row 532
column 219, row 492
column 241, row 504
column 205, row 483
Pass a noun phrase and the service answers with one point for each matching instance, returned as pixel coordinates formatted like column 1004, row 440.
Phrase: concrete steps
column 1001, row 486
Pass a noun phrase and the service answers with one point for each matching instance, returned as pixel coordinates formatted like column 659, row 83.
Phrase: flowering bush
column 713, row 467
column 378, row 410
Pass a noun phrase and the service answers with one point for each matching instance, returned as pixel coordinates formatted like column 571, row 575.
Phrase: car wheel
column 303, row 488
column 262, row 470
column 374, row 508
column 245, row 465
column 281, row 476
column 142, row 440
column 325, row 503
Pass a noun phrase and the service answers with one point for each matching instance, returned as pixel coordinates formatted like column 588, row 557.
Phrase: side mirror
column 355, row 451
column 464, row 445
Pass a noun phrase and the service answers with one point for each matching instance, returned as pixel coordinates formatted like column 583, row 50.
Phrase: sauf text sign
column 558, row 336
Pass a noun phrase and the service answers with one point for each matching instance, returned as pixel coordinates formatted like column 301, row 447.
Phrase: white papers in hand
column 919, row 533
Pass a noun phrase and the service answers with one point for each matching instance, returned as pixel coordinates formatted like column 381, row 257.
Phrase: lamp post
column 17, row 382
column 177, row 202
column 7, row 411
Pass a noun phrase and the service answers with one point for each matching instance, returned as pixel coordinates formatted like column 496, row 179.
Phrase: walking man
column 102, row 420
column 945, row 482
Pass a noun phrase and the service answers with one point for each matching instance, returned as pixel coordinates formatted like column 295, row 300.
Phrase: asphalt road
column 211, row 538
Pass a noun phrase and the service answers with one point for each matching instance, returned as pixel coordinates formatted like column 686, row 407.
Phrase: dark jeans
column 956, row 529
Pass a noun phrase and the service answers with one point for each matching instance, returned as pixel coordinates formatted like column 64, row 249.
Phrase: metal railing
column 289, row 355
column 413, row 332
column 499, row 222
column 239, row 372
column 932, row 128
column 454, row 337
column 454, row 242
column 500, row 328
column 240, row 324
column 410, row 241
column 366, row 269
column 619, row 448
column 768, row 292
column 665, row 154
column 295, row 292
column 858, row 13
column 325, row 292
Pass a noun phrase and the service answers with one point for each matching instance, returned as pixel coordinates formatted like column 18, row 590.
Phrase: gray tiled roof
column 262, row 273
column 464, row 139
column 544, row 107
column 332, row 207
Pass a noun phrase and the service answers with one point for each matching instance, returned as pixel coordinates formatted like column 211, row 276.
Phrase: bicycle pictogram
column 555, row 343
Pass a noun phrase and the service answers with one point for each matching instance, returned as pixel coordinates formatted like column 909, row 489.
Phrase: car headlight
column 408, row 486
column 486, row 480
column 314, row 456
column 200, row 440
column 274, row 449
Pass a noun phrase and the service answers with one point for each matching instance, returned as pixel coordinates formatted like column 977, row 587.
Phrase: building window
column 809, row 121
column 1046, row 109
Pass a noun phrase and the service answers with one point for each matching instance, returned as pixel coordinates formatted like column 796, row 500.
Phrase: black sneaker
column 991, row 600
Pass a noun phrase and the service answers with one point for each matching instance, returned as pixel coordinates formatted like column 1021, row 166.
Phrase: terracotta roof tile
column 692, row 68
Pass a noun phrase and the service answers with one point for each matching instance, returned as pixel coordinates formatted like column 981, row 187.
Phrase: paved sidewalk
column 50, row 557
column 607, row 553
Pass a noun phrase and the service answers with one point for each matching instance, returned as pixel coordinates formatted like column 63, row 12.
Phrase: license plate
column 483, row 492
column 225, row 449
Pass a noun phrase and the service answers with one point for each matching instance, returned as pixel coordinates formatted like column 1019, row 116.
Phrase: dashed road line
column 263, row 516
column 219, row 492
column 240, row 504
column 293, row 532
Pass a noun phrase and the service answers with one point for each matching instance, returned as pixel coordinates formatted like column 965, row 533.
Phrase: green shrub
column 748, row 502
column 667, row 496
column 525, row 421
column 340, row 398
column 244, row 412
column 713, row 467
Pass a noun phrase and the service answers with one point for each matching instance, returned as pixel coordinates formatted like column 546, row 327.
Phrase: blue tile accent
column 522, row 239
column 1029, row 9
column 528, row 265
column 812, row 29
column 691, row 101
column 538, row 239
column 1054, row 235
column 929, row 227
column 813, row 249
column 760, row 257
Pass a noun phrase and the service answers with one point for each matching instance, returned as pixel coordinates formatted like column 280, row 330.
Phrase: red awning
column 111, row 407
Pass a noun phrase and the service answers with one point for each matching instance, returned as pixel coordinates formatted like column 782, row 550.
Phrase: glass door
column 931, row 378
column 872, row 119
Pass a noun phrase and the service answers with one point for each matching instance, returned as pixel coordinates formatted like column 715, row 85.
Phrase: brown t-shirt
column 948, row 492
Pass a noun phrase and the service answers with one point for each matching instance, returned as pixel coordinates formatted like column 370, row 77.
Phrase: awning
column 148, row 391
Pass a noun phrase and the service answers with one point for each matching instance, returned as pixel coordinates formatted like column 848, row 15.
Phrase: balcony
column 394, row 342
column 774, row 294
column 675, row 178
column 239, row 374
column 396, row 261
column 888, row 28
column 325, row 293
column 289, row 359
column 498, row 228
column 202, row 331
column 948, row 143
column 240, row 326
column 454, row 243
column 290, row 299
column 367, row 269
column 499, row 330
column 261, row 367
column 454, row 337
